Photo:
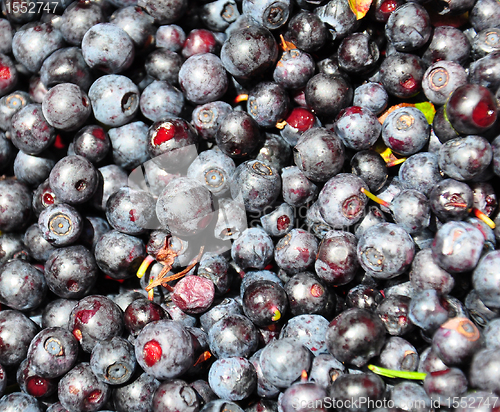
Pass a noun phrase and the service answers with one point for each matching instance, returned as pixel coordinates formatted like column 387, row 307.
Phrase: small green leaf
column 427, row 108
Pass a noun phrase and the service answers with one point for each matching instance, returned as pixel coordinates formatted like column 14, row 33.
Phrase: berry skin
column 199, row 41
column 14, row 401
column 298, row 121
column 138, row 24
column 53, row 352
column 309, row 330
column 164, row 349
column 406, row 131
column 233, row 335
column 408, row 27
column 130, row 146
column 308, row 295
column 451, row 200
column 441, row 385
column 249, row 52
column 167, row 135
column 257, row 183
column 337, row 262
column 238, row 135
column 420, row 172
column 355, row 336
column 319, row 154
column 203, row 78
column 136, row 395
column 457, row 246
column 385, row 250
column 170, row 37
column 402, row 74
column 341, row 202
column 213, row 169
column 77, row 19
column 254, row 276
column 71, row 272
column 130, row 211
column 185, row 207
column 283, row 360
column 280, row 221
column 297, row 189
column 465, row 158
column 232, row 378
column 165, row 11
column 30, row 131
column 141, row 312
column 61, row 224
column 113, row 177
column 484, row 370
column 73, row 179
column 337, row 18
column 115, row 99
column 264, row 302
column 113, row 362
column 33, row 384
column 56, row 313
column 296, row 251
column 80, row 390
column 428, row 310
column 441, row 79
column 358, row 128
column 207, row 118
column 34, row 44
column 294, row 69
column 66, row 107
column 253, row 249
column 10, row 105
column 194, row 294
column 411, row 210
column 92, row 142
column 486, row 281
column 456, row 341
column 358, row 53
column 57, row 101
column 22, row 286
column 471, row 109
column 408, row 393
column 426, row 273
column 93, row 319
column 365, row 385
column 319, row 91
column 119, row 255
column 176, row 395
column 363, row 297
column 163, row 65
column 371, row 96
column 307, row 31
column 160, row 100
column 16, row 333
column 15, row 205
column 393, row 312
column 31, row 170
column 107, row 47
column 371, row 167
column 218, row 15
column 448, row 43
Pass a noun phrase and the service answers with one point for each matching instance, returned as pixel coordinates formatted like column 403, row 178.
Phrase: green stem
column 391, row 373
